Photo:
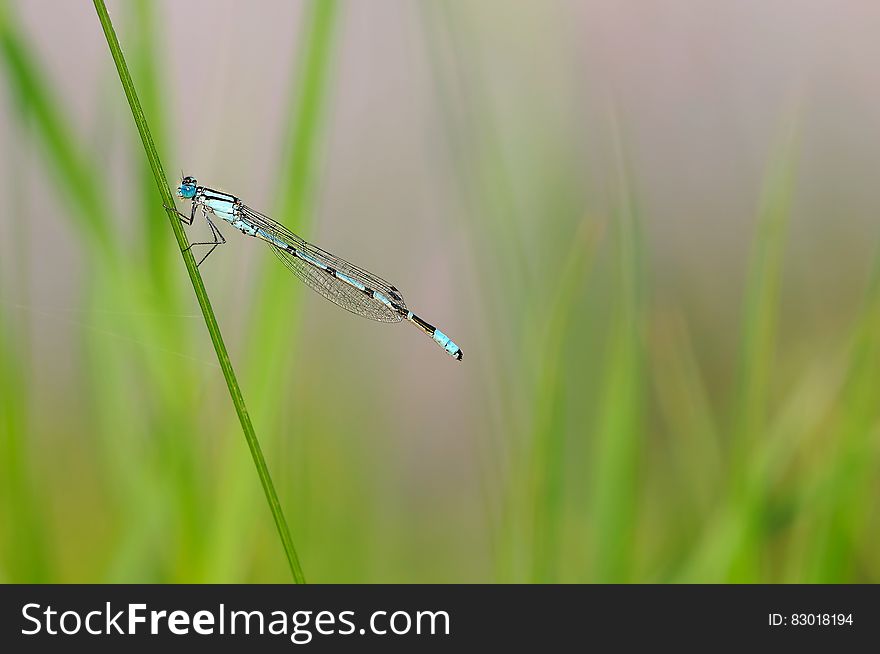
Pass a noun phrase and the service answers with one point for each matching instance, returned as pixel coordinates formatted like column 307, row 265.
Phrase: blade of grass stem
column 146, row 57
column 762, row 295
column 71, row 169
column 757, row 352
column 683, row 400
column 548, row 432
column 841, row 515
column 619, row 427
column 24, row 525
column 26, row 552
column 274, row 325
column 201, row 294
column 296, row 184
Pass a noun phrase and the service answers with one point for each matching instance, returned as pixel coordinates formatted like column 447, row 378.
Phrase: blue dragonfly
column 341, row 282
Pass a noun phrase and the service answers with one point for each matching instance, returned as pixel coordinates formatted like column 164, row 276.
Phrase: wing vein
column 317, row 267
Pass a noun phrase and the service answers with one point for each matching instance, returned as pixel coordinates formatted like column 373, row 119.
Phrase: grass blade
column 201, row 293
column 549, row 432
column 274, row 325
column 756, row 356
column 299, row 161
column 72, row 165
column 847, row 500
column 762, row 294
column 145, row 57
column 307, row 105
column 619, row 428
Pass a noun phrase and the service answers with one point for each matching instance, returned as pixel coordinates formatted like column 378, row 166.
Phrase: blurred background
column 651, row 227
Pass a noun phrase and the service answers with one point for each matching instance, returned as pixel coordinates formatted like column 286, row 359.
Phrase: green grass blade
column 549, row 431
column 757, row 353
column 683, row 401
column 618, row 432
column 296, row 183
column 24, row 545
column 145, row 57
column 300, row 154
column 308, row 98
column 71, row 166
column 201, row 293
column 842, row 510
column 273, row 325
column 762, row 296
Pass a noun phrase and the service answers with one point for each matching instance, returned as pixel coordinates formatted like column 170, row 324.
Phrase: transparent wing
column 324, row 281
column 337, row 291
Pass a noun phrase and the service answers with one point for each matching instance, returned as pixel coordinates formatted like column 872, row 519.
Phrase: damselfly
column 339, row 281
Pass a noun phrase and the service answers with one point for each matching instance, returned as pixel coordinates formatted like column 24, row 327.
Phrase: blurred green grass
column 607, row 454
column 200, row 292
